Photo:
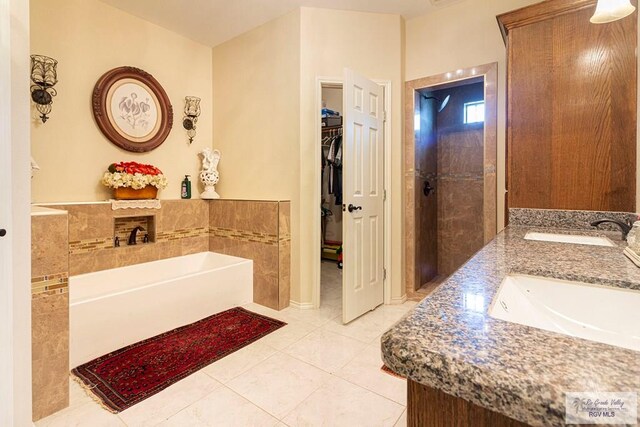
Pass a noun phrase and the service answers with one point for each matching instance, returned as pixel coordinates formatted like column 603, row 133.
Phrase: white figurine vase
column 209, row 175
column 209, row 180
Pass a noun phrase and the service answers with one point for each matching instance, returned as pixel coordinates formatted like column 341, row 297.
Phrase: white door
column 15, row 240
column 363, row 196
column 6, row 276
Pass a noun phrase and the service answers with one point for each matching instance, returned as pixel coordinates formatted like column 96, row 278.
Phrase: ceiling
column 212, row 22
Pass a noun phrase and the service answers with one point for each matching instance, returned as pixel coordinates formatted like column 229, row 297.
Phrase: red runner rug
column 128, row 376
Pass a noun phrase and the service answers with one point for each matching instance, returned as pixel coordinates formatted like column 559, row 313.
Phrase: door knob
column 3, row 232
column 352, row 208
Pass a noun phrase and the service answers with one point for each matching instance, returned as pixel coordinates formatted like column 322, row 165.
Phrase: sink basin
column 598, row 313
column 569, row 238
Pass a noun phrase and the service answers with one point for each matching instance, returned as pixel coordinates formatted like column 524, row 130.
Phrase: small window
column 474, row 112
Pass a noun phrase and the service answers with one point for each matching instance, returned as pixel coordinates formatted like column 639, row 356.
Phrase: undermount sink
column 569, row 238
column 597, row 313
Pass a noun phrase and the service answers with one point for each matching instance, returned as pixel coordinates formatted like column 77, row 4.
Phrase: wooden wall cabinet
column 571, row 108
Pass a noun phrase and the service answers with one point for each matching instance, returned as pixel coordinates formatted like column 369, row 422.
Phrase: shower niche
column 123, row 230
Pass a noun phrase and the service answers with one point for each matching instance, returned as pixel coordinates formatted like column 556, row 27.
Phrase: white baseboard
column 301, row 305
column 309, row 305
column 399, row 300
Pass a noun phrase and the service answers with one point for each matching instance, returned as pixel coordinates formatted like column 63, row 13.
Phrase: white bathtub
column 114, row 308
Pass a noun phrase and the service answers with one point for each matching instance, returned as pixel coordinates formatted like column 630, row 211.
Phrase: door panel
column 363, row 189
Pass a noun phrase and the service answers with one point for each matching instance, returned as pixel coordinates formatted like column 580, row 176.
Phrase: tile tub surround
column 49, row 311
column 512, row 369
column 181, row 228
column 258, row 230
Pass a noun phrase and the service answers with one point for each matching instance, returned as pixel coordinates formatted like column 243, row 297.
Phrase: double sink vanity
column 550, row 306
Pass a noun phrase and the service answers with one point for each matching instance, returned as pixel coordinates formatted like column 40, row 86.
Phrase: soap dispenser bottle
column 185, row 192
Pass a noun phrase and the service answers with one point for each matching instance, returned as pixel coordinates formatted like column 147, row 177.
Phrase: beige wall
column 264, row 86
column 463, row 35
column 370, row 44
column 88, row 38
column 256, row 118
column 256, row 111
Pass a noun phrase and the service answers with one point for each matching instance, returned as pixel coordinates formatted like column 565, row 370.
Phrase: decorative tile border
column 461, row 177
column 90, row 245
column 165, row 236
column 50, row 284
column 450, row 176
column 244, row 236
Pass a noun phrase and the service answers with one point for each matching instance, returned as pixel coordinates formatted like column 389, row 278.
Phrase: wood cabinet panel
column 571, row 130
column 530, row 114
column 430, row 407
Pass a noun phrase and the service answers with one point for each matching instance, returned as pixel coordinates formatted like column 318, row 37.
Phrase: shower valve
column 427, row 189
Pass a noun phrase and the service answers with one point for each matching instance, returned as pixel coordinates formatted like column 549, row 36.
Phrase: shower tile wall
column 460, row 188
column 460, row 199
column 49, row 313
column 260, row 231
column 427, row 170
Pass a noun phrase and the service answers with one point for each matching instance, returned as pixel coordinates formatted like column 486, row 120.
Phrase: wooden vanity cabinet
column 571, row 108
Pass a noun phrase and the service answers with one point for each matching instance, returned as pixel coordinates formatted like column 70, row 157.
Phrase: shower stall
column 450, row 172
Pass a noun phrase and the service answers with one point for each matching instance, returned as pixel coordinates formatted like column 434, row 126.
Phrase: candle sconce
column 191, row 114
column 44, row 77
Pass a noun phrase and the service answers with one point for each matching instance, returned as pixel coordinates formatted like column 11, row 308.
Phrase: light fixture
column 611, row 10
column 191, row 113
column 44, row 77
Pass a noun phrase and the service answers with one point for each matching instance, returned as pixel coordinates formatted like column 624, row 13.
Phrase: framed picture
column 131, row 109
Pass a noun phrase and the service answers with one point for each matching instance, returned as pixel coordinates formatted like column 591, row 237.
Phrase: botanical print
column 134, row 110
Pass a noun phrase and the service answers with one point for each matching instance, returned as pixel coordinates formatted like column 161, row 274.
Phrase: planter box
column 127, row 193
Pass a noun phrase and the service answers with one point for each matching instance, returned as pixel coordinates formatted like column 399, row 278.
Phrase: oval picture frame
column 132, row 109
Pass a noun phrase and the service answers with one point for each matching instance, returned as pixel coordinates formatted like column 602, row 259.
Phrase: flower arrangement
column 133, row 175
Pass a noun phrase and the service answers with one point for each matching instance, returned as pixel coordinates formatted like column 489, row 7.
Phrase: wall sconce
column 191, row 113
column 44, row 77
column 611, row 10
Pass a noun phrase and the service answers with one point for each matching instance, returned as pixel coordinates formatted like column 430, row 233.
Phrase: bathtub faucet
column 134, row 235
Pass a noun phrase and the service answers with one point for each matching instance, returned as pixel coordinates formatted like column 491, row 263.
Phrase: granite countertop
column 450, row 342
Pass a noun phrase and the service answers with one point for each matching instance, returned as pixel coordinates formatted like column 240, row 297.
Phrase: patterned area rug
column 127, row 376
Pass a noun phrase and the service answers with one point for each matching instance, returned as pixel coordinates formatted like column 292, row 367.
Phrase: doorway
column 331, row 241
column 366, row 130
column 451, row 174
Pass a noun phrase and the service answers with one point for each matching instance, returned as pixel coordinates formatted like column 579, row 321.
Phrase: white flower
column 136, row 181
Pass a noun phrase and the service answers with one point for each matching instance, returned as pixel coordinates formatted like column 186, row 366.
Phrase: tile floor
column 312, row 372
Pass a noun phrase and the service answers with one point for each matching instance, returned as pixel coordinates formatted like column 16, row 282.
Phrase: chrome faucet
column 134, row 235
column 625, row 227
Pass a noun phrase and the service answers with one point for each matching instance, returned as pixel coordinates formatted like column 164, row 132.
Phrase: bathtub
column 114, row 308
